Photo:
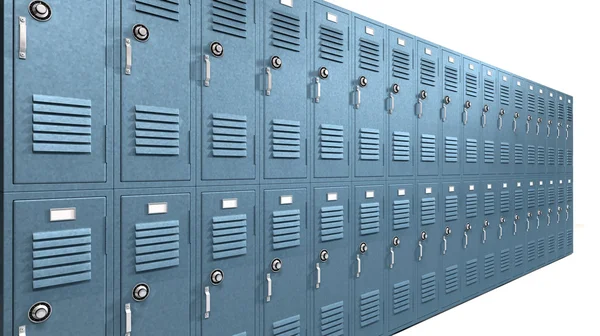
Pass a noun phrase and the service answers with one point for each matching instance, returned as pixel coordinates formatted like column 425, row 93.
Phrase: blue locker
column 521, row 125
column 491, row 235
column 285, row 276
column 228, row 90
column 330, row 73
column 471, row 117
column 401, row 229
column 561, row 215
column 544, row 126
column 429, row 99
column 451, row 113
column 330, row 261
column 520, row 227
column 62, row 256
column 561, row 130
column 401, row 119
column 284, row 82
column 156, row 262
column 532, row 127
column 226, row 262
column 452, row 245
column 532, row 224
column 369, row 260
column 569, row 136
column 428, row 251
column 506, row 123
column 471, row 231
column 506, row 234
column 369, row 97
column 551, row 218
column 552, row 133
column 489, row 120
column 155, row 127
column 60, row 116
column 569, row 215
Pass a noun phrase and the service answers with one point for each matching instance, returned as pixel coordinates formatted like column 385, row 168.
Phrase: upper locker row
column 241, row 91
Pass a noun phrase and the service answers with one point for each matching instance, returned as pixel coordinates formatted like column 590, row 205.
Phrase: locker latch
column 500, row 115
column 515, row 122
column 22, row 331
column 502, row 221
column 558, row 211
column 548, row 128
column 486, row 108
column 445, row 103
column 549, row 213
column 422, row 96
column 466, row 233
column 529, row 215
column 466, row 112
column 395, row 90
column 395, row 243
column 529, row 118
column 515, row 224
column 539, row 213
column 537, row 126
column 447, row 232
column 423, row 238
column 558, row 126
column 486, row 223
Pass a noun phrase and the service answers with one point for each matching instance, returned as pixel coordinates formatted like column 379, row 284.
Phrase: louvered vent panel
column 519, row 99
column 560, row 158
column 471, row 155
column 569, row 193
column 230, row 17
column 369, row 308
column 332, row 142
column 230, row 236
column 551, row 156
column 569, row 160
column 472, row 85
column 541, row 245
column 569, row 113
column 428, row 72
column 61, row 257
column 285, row 31
column 551, row 108
column 286, row 229
column 451, row 149
column 428, row 211
column 451, row 277
column 332, row 44
column 551, row 196
column 229, row 135
column 504, row 153
column 518, row 154
column 518, row 255
column 401, row 297
column 504, row 95
column 530, row 154
column 287, row 327
column 561, row 111
column 569, row 239
column 471, row 274
column 488, row 151
column 428, row 287
column 427, row 148
column 369, row 55
column 504, row 260
column 156, row 245
column 504, row 201
column 62, row 125
column 561, row 241
column 166, row 9
column 531, row 251
column 451, row 79
column 551, row 244
column 286, row 139
column 451, row 208
column 541, row 106
column 156, row 130
column 401, row 64
column 369, row 218
column 561, row 195
column 531, row 104
column 541, row 193
column 332, row 319
column 518, row 199
column 471, row 206
column 401, row 146
column 488, row 266
column 489, row 204
column 489, row 90
column 332, row 223
column 369, row 144
column 541, row 155
column 531, row 198
column 401, row 214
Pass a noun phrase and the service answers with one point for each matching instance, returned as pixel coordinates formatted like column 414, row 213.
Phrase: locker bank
column 276, row 167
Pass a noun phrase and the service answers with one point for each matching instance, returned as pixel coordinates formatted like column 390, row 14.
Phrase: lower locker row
column 314, row 260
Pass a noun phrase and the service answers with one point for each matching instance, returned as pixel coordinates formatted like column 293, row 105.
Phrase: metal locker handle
column 500, row 123
column 393, row 257
column 207, row 75
column 127, row 56
column 318, row 97
column 548, row 131
column 392, row 103
column 127, row 319
column 466, row 240
column 357, row 97
column 420, row 251
column 567, row 134
column 548, row 220
column 527, row 224
column 465, row 116
column 515, row 224
column 538, row 222
column 515, row 125
column 557, row 217
column 318, row 275
column 207, row 308
column 484, row 235
column 22, row 37
column 420, row 108
column 484, row 122
column 500, row 237
column 444, row 113
column 445, row 245
column 567, row 217
column 22, row 331
column 557, row 132
column 269, row 81
column 527, row 128
column 537, row 129
column 269, row 287
column 359, row 267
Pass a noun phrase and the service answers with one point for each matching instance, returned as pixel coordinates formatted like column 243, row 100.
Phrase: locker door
column 429, row 98
column 562, row 130
column 284, row 61
column 451, row 244
column 532, row 226
column 451, row 113
column 401, row 230
column 60, row 96
column 544, row 125
column 155, row 127
column 471, row 117
column 401, row 119
column 228, row 262
column 521, row 124
column 561, row 215
column 369, row 260
column 330, row 73
column 284, row 276
column 490, row 112
column 369, row 97
column 519, row 226
column 506, row 124
column 506, row 234
column 569, row 215
column 569, row 136
column 491, row 234
column 552, row 131
column 63, row 258
column 229, row 99
column 551, row 219
column 330, row 261
column 533, row 126
column 428, row 251
column 156, row 264
column 472, row 202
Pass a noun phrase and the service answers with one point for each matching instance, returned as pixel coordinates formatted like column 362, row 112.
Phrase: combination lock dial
column 448, row 231
column 217, row 49
column 324, row 255
column 396, row 241
column 276, row 265
column 141, row 32
column 363, row 247
column 423, row 95
column 467, row 104
column 40, row 10
column 486, row 108
column 323, row 73
column 276, row 62
column 423, row 235
column 40, row 312
column 363, row 81
column 468, row 227
column 395, row 88
column 447, row 100
column 140, row 292
column 486, row 223
column 216, row 277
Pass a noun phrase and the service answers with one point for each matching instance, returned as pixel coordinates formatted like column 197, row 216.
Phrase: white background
column 553, row 43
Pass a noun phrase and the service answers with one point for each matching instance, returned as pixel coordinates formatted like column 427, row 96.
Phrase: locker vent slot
column 472, row 85
column 488, row 265
column 401, row 297
column 504, row 260
column 569, row 239
column 569, row 113
column 285, row 31
column 332, row 223
column 569, row 193
column 518, row 199
column 369, row 55
column 427, row 148
column 569, row 157
column 451, row 79
column 531, row 104
column 518, row 255
column 156, row 130
column 369, row 144
column 451, row 208
column 287, row 327
column 489, row 90
column 518, row 153
column 541, row 155
column 166, row 9
column 369, row 308
column 61, row 257
column 551, row 196
column 551, row 244
column 471, row 275
column 489, row 204
column 156, row 245
column 332, row 44
column 519, row 99
column 541, row 248
column 504, row 201
column 401, row 214
column 471, row 206
column 62, row 125
column 541, row 106
column 229, row 236
column 504, row 95
column 471, row 148
column 451, row 149
column 531, row 251
column 401, row 64
column 561, row 111
column 531, row 198
column 286, row 229
column 451, row 279
column 428, row 72
column 561, row 195
column 504, row 153
column 286, row 139
column 401, row 146
column 560, row 158
column 229, row 135
column 540, row 197
column 428, row 287
column 551, row 156
column 230, row 17
column 428, row 211
column 551, row 108
column 561, row 240
column 332, row 319
column 488, row 151
column 332, row 142
column 530, row 154
column 369, row 218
